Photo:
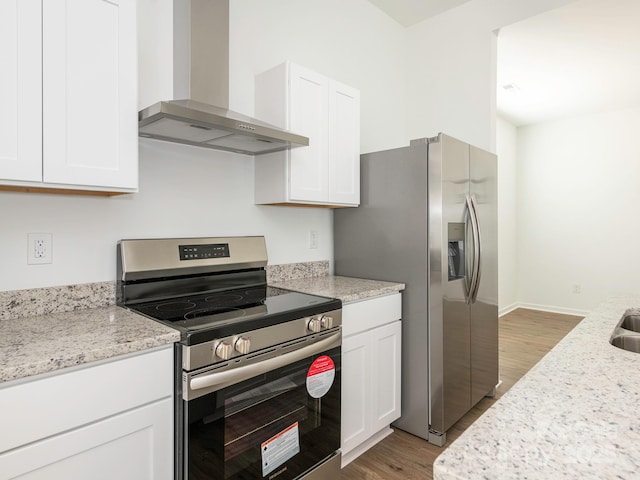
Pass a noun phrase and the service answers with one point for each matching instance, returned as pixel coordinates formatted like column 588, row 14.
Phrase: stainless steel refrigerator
column 428, row 218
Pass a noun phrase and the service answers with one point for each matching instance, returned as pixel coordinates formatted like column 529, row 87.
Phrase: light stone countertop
column 36, row 336
column 346, row 289
column 32, row 345
column 576, row 414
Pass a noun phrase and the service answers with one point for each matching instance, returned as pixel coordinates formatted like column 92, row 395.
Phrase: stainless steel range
column 257, row 369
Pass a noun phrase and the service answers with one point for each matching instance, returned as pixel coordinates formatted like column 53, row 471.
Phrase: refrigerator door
column 449, row 321
column 415, row 225
column 484, row 310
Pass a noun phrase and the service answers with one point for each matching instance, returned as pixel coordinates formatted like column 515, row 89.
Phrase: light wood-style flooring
column 525, row 337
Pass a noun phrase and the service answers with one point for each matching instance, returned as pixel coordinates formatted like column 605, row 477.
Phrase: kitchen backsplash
column 291, row 271
column 43, row 301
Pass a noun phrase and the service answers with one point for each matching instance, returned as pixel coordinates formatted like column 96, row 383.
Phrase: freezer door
column 449, row 330
column 484, row 310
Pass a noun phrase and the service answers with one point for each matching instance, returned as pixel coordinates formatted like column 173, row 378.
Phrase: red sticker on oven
column 320, row 376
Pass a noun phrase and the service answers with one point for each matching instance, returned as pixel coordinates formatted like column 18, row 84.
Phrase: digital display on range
column 199, row 252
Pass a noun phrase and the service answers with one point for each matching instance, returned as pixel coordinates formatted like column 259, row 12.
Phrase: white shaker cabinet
column 371, row 358
column 21, row 90
column 103, row 421
column 327, row 172
column 69, row 111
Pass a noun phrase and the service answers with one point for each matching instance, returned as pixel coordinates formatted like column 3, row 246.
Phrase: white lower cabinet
column 111, row 420
column 124, row 447
column 371, row 357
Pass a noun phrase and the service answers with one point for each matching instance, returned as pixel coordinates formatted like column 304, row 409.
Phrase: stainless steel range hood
column 203, row 125
column 201, row 37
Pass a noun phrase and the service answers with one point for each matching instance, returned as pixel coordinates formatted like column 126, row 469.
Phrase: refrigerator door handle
column 478, row 256
column 469, row 262
column 476, row 249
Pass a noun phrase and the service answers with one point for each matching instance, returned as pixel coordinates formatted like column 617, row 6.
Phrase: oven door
column 277, row 415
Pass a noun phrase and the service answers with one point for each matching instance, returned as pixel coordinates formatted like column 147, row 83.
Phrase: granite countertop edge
column 575, row 414
column 29, row 348
column 347, row 289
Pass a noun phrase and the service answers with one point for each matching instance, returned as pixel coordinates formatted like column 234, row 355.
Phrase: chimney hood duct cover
column 201, row 34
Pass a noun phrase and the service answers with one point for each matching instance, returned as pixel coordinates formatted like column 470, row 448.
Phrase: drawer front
column 36, row 409
column 134, row 445
column 371, row 313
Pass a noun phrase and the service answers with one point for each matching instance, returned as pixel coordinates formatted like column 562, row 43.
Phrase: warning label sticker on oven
column 320, row 376
column 279, row 448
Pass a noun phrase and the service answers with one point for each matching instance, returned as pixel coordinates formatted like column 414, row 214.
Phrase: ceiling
column 410, row 12
column 578, row 59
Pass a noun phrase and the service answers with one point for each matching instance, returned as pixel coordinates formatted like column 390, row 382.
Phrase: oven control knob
column 243, row 345
column 314, row 325
column 224, row 350
column 326, row 322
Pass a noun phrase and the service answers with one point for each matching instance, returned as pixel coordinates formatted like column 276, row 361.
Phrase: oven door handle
column 235, row 375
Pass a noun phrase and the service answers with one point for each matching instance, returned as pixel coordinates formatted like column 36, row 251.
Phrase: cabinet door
column 21, row 90
column 385, row 380
column 131, row 446
column 344, row 144
column 308, row 104
column 356, row 391
column 89, row 92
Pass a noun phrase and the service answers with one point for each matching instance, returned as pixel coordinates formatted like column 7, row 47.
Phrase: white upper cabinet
column 344, row 144
column 21, row 90
column 309, row 116
column 78, row 101
column 327, row 172
column 89, row 92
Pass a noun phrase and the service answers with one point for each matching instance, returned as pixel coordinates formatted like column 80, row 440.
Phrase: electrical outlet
column 575, row 288
column 313, row 239
column 39, row 248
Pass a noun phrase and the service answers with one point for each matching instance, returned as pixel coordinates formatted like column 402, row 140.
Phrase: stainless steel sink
column 626, row 335
column 631, row 322
column 627, row 342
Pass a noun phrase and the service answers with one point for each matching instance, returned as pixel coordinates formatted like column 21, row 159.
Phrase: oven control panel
column 199, row 252
column 235, row 346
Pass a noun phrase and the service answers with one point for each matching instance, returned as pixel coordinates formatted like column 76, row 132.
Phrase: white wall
column 577, row 200
column 185, row 191
column 453, row 79
column 452, row 89
column 155, row 77
column 452, row 61
column 352, row 42
column 506, row 149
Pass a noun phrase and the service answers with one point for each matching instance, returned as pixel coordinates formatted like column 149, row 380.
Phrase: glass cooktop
column 217, row 314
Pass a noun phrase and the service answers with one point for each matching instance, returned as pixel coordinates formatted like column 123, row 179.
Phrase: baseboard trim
column 350, row 456
column 508, row 309
column 552, row 309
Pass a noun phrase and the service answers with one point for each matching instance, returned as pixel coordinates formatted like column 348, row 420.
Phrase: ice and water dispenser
column 456, row 253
